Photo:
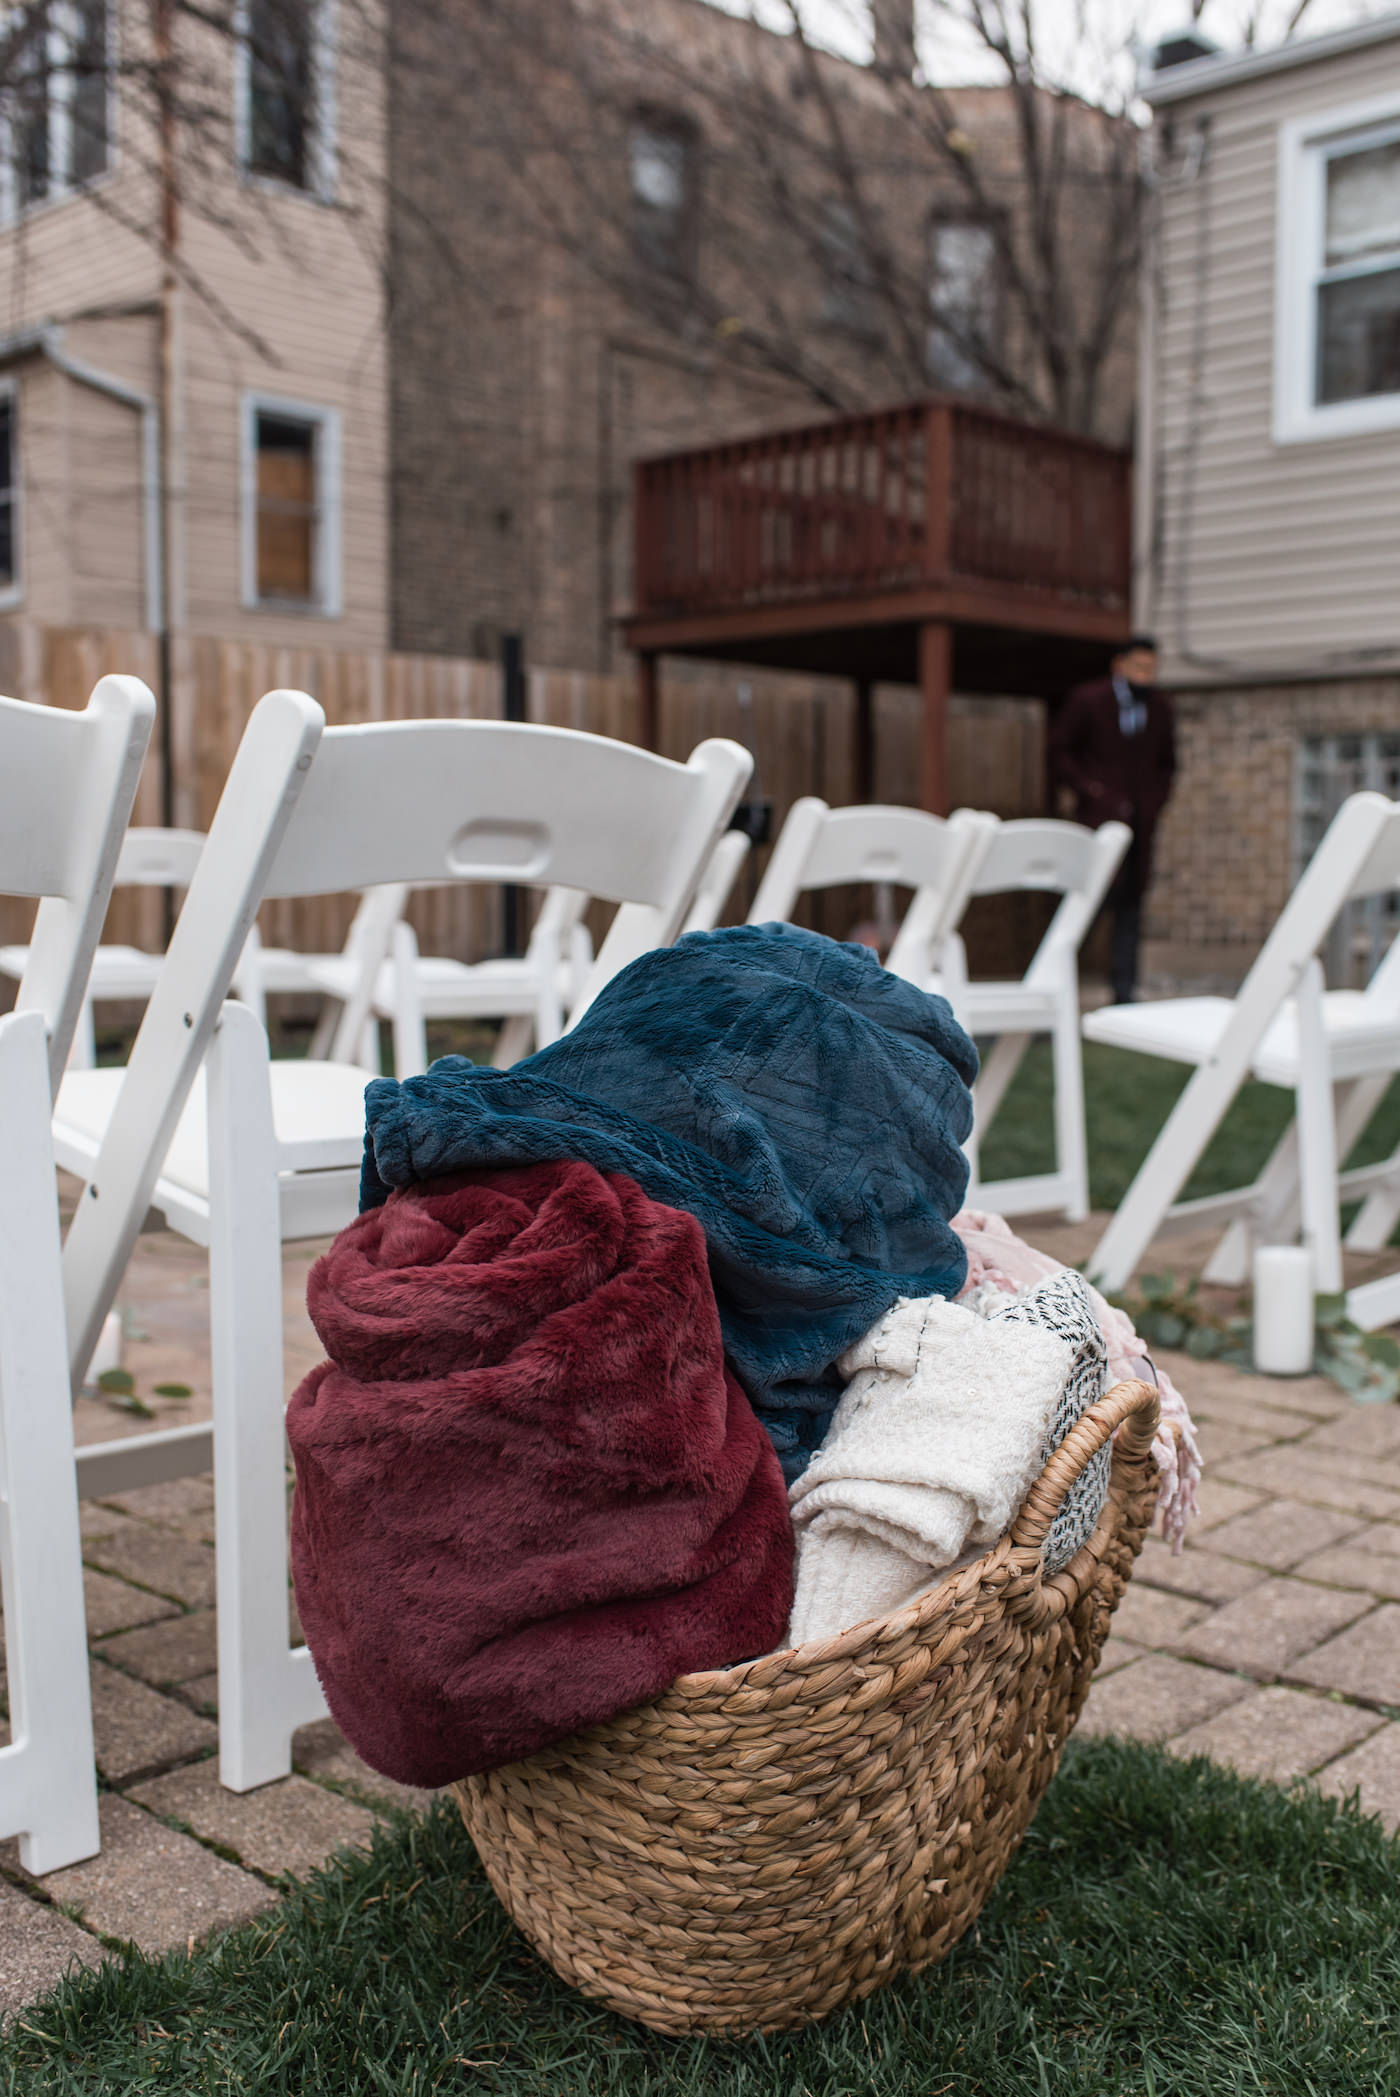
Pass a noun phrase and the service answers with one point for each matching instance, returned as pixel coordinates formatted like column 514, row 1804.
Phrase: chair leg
column 266, row 1689
column 994, row 1078
column 82, row 1055
column 1317, row 1138
column 48, row 1779
column 410, row 1027
column 1071, row 1139
column 512, row 1042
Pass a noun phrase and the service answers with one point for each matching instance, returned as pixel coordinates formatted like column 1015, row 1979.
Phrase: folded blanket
column 528, row 1494
column 807, row 1106
column 946, row 1423
column 997, row 1258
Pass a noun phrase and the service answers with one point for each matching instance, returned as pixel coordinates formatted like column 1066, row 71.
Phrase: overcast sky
column 1068, row 52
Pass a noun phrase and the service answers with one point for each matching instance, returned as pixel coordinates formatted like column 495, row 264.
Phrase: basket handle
column 1134, row 1407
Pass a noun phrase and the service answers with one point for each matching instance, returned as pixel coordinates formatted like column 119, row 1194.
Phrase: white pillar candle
column 1283, row 1310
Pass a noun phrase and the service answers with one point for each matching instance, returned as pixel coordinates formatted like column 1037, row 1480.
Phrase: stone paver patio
column 1271, row 1644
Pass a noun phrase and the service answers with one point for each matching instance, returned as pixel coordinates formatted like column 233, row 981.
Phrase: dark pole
column 513, row 708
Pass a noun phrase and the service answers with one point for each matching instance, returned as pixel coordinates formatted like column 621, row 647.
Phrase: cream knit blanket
column 941, row 1432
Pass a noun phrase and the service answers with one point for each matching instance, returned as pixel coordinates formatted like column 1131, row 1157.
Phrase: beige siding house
column 1269, row 460
column 201, row 446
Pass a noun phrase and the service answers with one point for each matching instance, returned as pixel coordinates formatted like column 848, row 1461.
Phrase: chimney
column 1182, row 48
column 893, row 22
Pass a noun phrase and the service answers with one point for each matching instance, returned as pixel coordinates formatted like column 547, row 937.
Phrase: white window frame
column 1305, row 146
column 12, row 592
column 62, row 187
column 325, row 162
column 327, row 601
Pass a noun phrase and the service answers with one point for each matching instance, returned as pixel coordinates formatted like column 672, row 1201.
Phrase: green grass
column 1127, row 1099
column 1167, row 1931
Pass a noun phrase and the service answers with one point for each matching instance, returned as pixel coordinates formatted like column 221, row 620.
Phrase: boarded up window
column 287, row 512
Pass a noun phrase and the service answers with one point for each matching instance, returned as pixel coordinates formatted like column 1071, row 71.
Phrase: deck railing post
column 938, row 489
column 935, row 684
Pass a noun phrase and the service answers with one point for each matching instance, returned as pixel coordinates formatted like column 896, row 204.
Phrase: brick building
column 588, row 268
column 1268, row 474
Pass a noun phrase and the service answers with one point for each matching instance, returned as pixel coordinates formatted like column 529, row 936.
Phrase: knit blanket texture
column 804, row 1104
column 946, row 1423
column 528, row 1492
column 998, row 1259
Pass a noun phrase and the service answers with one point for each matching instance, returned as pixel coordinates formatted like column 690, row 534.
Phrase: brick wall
column 1225, row 848
column 527, row 373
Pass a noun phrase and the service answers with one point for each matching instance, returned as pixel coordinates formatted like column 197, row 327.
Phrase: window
column 285, row 93
column 1337, row 352
column 661, row 157
column 849, row 298
column 9, row 495
column 57, row 119
column 964, row 304
column 1328, row 770
column 291, row 502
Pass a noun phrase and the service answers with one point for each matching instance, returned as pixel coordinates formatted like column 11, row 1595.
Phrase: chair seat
column 1361, row 1038
column 283, row 971
column 1006, row 1008
column 318, row 1112
column 449, row 989
column 117, row 972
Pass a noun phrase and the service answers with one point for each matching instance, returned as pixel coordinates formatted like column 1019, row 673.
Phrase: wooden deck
column 937, row 544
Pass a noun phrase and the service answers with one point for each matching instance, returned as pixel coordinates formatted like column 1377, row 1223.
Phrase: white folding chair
column 529, row 993
column 1065, row 859
column 148, row 858
column 48, row 1779
column 67, row 782
column 1336, row 1051
column 822, row 847
column 347, row 1030
column 718, row 883
column 263, row 1152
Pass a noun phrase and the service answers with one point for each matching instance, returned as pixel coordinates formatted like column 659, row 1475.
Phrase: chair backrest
column 153, row 858
column 1039, row 853
column 511, row 801
column 403, row 801
column 822, row 847
column 717, row 885
column 67, row 783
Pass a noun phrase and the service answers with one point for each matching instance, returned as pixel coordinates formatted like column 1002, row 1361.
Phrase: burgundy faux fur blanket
column 528, row 1492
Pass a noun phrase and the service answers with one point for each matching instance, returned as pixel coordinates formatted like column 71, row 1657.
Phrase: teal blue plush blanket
column 804, row 1104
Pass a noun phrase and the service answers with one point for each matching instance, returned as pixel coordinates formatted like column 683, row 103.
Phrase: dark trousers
column 1125, row 901
column 1123, row 959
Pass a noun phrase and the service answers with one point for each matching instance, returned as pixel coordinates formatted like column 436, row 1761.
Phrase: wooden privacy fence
column 802, row 732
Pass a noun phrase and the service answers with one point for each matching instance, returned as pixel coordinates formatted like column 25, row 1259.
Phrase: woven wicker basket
column 769, row 1841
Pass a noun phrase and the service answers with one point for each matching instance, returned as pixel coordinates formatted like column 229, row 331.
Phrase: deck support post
column 864, row 769
column 935, row 683
column 649, row 695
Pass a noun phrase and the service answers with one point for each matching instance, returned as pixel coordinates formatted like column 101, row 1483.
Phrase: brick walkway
column 1272, row 1643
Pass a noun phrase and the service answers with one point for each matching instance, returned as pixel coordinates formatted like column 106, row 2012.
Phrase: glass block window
column 1329, row 768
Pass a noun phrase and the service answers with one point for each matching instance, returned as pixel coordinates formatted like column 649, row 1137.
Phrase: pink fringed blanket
column 996, row 1255
column 529, row 1494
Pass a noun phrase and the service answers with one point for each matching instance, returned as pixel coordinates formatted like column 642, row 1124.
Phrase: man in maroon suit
column 1113, row 744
